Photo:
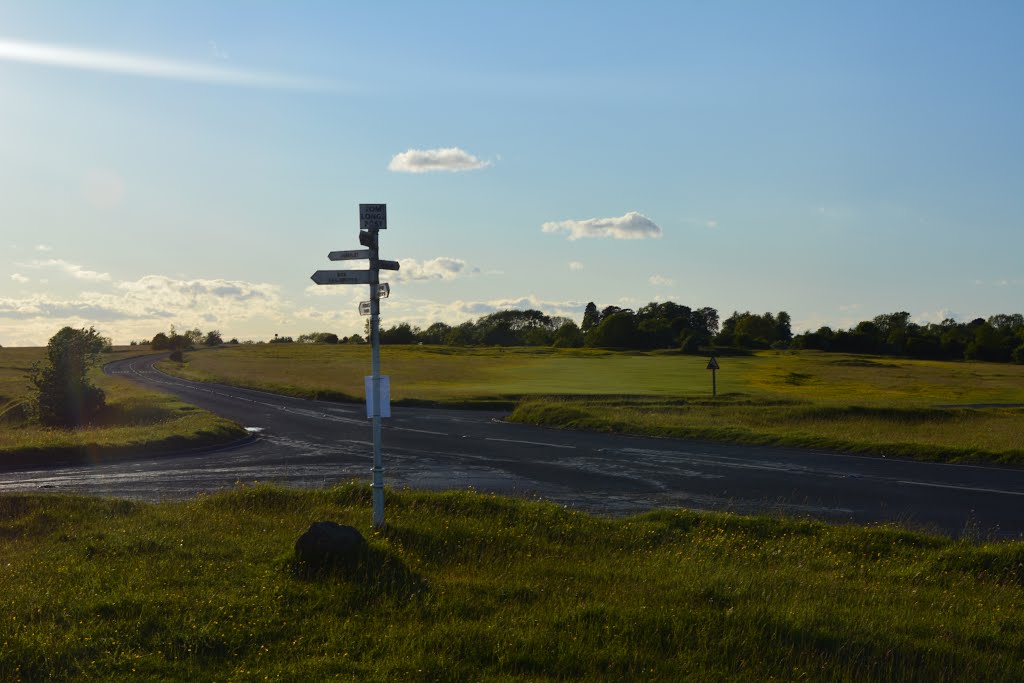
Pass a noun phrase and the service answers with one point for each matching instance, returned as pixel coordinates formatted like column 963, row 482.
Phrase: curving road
column 312, row 443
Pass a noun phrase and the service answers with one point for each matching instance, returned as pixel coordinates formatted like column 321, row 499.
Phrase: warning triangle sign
column 712, row 364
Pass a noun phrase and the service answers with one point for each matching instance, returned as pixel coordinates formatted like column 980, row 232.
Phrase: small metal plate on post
column 383, row 290
column 364, row 308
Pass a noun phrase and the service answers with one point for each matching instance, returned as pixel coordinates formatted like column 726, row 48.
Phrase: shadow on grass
column 375, row 574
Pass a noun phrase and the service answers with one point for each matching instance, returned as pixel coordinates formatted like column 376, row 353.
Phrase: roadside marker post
column 372, row 219
column 713, row 367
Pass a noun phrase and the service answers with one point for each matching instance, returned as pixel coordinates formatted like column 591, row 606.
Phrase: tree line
column 669, row 325
column 1000, row 338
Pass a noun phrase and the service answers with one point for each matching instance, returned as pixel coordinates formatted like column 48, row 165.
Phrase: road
column 306, row 443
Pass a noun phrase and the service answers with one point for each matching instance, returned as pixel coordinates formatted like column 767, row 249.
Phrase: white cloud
column 632, row 226
column 152, row 67
column 140, row 308
column 660, row 280
column 19, row 278
column 443, row 159
column 936, row 316
column 441, row 268
column 72, row 269
column 425, row 312
column 575, row 265
column 44, row 247
column 712, row 223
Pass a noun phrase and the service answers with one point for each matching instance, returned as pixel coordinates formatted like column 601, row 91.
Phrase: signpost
column 344, row 277
column 372, row 218
column 351, row 255
column 713, row 367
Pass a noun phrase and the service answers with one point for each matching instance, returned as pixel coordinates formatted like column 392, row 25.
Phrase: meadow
column 136, row 421
column 954, row 411
column 463, row 586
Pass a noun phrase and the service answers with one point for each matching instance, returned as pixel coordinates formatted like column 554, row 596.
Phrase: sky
column 192, row 163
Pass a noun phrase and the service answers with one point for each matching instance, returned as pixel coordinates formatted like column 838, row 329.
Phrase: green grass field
column 135, row 420
column 463, row 586
column 862, row 404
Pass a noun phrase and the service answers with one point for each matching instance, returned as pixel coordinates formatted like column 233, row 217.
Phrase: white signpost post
column 372, row 218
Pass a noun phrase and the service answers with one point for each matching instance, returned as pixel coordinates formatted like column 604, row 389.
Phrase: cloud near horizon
column 72, row 269
column 141, row 308
column 441, row 268
column 450, row 159
column 631, row 226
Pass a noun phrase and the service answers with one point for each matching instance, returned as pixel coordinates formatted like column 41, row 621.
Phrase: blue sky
column 192, row 163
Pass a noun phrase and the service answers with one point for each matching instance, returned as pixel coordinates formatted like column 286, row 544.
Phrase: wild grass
column 135, row 421
column 921, row 409
column 951, row 435
column 471, row 587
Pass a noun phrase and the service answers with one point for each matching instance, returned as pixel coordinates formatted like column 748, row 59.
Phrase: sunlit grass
column 135, row 421
column 487, row 588
column 858, row 403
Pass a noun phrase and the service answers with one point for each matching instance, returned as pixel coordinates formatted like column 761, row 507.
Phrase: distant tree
column 1007, row 323
column 783, row 329
column 233, row 340
column 568, row 335
column 63, row 394
column 1018, row 354
column 193, row 337
column 281, row 340
column 435, row 334
column 161, row 342
column 618, row 330
column 401, row 333
column 609, row 310
column 590, row 317
column 704, row 320
column 988, row 344
column 460, row 335
column 356, row 339
column 513, row 327
column 318, row 338
column 213, row 338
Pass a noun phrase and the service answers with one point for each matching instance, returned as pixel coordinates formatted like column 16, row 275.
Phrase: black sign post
column 713, row 367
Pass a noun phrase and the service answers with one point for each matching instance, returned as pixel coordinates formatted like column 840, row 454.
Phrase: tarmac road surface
column 305, row 443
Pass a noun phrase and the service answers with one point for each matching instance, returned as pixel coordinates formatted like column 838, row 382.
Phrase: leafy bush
column 63, row 394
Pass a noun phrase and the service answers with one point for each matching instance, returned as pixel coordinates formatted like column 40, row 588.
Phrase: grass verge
column 993, row 435
column 486, row 588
